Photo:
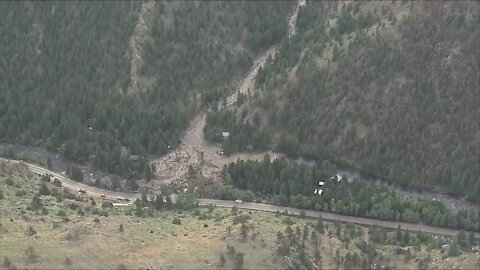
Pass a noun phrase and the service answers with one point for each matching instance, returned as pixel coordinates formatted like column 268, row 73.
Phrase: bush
column 9, row 181
column 177, row 221
column 80, row 212
column 44, row 211
column 204, row 216
column 241, row 219
column 31, row 255
column 107, row 205
column 96, row 220
column 20, row 193
column 68, row 261
column 288, row 221
column 44, row 189
column 31, row 231
column 62, row 213
column 36, row 202
column 75, row 173
column 239, row 260
column 120, row 228
column 7, row 263
column 45, row 178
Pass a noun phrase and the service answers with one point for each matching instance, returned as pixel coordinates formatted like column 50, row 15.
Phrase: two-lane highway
column 333, row 217
column 72, row 185
column 97, row 192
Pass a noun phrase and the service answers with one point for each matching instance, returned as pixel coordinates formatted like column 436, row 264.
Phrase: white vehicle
column 238, row 201
column 120, row 198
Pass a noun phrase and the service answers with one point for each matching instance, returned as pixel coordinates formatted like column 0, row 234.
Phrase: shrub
column 204, row 216
column 31, row 231
column 44, row 211
column 241, row 219
column 20, row 193
column 107, row 205
column 80, row 212
column 31, row 255
column 96, row 220
column 239, row 260
column 7, row 263
column 288, row 221
column 222, row 260
column 44, row 189
column 62, row 213
column 68, row 261
column 9, row 181
column 177, row 221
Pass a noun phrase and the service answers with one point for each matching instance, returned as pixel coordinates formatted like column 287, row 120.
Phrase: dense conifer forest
column 289, row 184
column 391, row 88
column 65, row 73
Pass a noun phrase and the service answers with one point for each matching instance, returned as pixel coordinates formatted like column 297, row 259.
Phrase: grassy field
column 155, row 242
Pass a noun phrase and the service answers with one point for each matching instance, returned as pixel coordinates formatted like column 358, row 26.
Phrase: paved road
column 333, row 217
column 96, row 192
column 75, row 186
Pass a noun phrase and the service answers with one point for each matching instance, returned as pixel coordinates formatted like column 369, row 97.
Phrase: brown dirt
column 174, row 166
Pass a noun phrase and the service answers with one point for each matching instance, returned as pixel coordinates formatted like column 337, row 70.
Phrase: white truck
column 238, row 201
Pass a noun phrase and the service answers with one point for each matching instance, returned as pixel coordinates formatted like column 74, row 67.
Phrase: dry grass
column 155, row 242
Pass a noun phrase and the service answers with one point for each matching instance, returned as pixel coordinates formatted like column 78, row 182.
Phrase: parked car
column 238, row 201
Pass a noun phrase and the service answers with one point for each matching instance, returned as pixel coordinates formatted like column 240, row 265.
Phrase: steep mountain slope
column 67, row 67
column 391, row 88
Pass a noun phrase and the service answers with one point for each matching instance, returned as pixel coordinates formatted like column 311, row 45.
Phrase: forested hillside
column 65, row 72
column 391, row 88
column 287, row 183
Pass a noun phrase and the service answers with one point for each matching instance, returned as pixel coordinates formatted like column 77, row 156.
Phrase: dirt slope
column 174, row 166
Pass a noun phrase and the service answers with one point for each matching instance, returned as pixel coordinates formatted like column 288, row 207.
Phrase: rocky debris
column 140, row 35
column 195, row 151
